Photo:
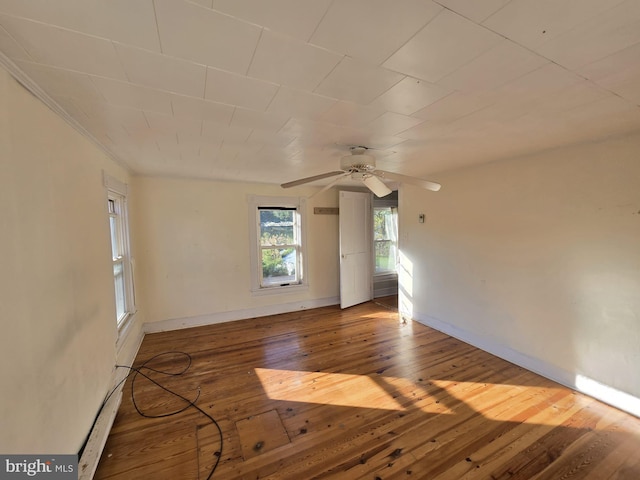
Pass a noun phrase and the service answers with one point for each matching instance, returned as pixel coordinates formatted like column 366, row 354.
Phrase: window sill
column 386, row 275
column 124, row 329
column 277, row 290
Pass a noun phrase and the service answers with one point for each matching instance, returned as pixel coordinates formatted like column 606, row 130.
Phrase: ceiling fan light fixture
column 358, row 163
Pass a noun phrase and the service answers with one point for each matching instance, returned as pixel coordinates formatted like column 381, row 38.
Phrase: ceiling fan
column 362, row 166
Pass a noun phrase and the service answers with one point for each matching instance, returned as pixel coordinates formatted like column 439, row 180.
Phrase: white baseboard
column 583, row 384
column 221, row 317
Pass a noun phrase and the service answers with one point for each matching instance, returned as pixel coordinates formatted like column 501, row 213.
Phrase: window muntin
column 385, row 239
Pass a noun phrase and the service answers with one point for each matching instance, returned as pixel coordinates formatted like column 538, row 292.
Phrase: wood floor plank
column 354, row 394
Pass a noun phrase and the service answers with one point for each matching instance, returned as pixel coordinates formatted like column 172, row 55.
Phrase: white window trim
column 115, row 187
column 385, row 274
column 300, row 204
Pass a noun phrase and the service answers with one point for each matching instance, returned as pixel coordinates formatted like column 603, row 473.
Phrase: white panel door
column 355, row 248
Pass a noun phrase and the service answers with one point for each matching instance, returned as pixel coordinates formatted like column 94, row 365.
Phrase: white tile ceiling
column 272, row 90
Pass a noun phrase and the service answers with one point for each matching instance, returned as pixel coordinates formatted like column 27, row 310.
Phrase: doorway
column 368, row 247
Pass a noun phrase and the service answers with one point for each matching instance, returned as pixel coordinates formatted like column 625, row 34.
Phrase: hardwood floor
column 356, row 394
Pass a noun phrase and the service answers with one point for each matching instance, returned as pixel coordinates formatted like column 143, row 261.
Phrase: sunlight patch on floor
column 346, row 390
column 338, row 389
column 519, row 396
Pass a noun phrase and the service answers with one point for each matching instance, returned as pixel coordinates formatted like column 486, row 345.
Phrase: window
column 118, row 225
column 385, row 239
column 277, row 231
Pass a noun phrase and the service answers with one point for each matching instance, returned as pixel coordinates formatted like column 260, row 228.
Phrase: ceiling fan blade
column 376, row 186
column 331, row 184
column 302, row 181
column 426, row 184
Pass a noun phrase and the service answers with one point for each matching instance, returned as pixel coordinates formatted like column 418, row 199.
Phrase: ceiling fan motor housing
column 358, row 161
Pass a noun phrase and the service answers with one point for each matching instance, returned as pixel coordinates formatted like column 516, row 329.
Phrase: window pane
column 385, row 237
column 278, row 266
column 118, row 275
column 381, row 223
column 277, row 227
column 115, row 250
column 385, row 256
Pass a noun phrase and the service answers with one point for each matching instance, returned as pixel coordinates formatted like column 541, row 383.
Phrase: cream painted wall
column 193, row 254
column 537, row 257
column 58, row 342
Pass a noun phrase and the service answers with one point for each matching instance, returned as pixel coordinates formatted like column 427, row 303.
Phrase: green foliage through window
column 385, row 239
column 278, row 241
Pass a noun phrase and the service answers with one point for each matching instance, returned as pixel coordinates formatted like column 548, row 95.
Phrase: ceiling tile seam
column 450, row 122
column 504, row 37
column 567, row 32
column 27, row 53
column 604, row 89
column 362, row 125
column 204, row 87
column 313, row 90
column 537, row 53
column 228, row 15
column 197, row 4
column 79, row 107
column 148, row 87
column 471, row 60
column 452, row 92
column 253, row 54
column 59, row 27
column 126, row 73
column 279, row 130
column 533, row 52
column 114, row 44
column 481, row 22
column 566, row 69
column 404, row 76
column 236, row 74
column 625, row 49
column 500, row 85
column 231, row 117
column 324, row 15
column 83, row 73
column 31, row 86
column 293, row 139
column 117, row 43
column 381, row 64
column 275, row 94
column 155, row 17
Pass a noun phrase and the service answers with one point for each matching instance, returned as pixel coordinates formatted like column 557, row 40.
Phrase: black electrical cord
column 135, row 371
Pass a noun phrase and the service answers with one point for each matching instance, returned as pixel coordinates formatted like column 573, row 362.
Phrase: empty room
column 304, row 239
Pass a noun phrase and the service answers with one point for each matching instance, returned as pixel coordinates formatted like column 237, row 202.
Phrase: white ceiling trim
column 33, row 88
